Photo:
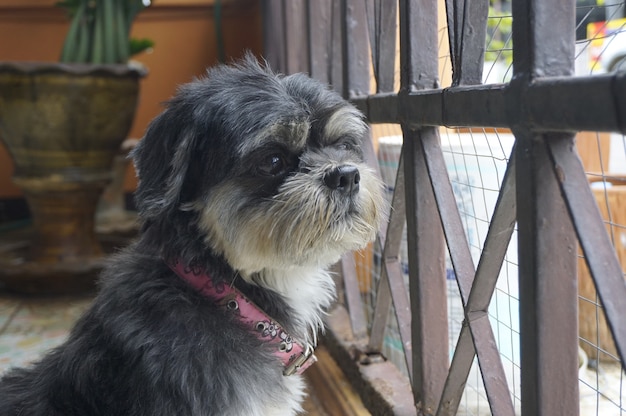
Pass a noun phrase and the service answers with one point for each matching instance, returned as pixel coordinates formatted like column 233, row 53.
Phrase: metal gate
column 544, row 197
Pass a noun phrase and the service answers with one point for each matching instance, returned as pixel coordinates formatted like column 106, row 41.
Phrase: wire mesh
column 476, row 160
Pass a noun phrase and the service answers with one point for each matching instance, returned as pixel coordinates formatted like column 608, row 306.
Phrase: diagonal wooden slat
column 458, row 246
column 501, row 229
column 464, row 353
column 391, row 288
column 476, row 329
column 599, row 252
column 482, row 336
column 353, row 296
column 390, row 244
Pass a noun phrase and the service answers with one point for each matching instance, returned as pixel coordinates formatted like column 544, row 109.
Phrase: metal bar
column 392, row 287
column 460, row 255
column 492, row 371
column 273, row 34
column 390, row 242
column 387, row 44
column 353, row 296
column 501, row 229
column 296, row 39
column 372, row 14
column 547, row 273
column 392, row 269
column 470, row 27
column 319, row 28
column 599, row 252
column 454, row 31
column 544, row 39
column 337, row 46
column 464, row 353
column 427, row 283
column 356, row 74
column 402, row 309
column 355, row 82
column 418, row 45
column 477, row 338
column 381, row 312
column 550, row 104
column 580, row 103
column 382, row 35
column 476, row 329
column 452, row 225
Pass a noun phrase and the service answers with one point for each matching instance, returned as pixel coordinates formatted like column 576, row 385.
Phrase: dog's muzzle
column 344, row 179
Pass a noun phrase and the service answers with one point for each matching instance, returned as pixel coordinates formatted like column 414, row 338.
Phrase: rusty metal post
column 273, row 34
column 296, row 36
column 427, row 284
column 543, row 35
column 319, row 26
column 467, row 28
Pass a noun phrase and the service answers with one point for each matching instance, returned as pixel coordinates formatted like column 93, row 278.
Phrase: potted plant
column 62, row 124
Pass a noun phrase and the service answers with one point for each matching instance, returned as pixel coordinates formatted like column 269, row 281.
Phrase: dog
column 251, row 184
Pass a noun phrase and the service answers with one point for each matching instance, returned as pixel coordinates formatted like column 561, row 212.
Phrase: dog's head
column 267, row 170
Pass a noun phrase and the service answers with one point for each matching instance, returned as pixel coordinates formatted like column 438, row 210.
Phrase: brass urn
column 62, row 125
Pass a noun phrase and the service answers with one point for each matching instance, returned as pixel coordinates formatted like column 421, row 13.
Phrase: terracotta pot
column 63, row 125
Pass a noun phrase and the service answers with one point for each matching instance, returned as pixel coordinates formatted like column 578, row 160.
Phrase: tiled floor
column 30, row 326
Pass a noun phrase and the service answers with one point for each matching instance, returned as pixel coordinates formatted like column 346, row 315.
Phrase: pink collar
column 295, row 356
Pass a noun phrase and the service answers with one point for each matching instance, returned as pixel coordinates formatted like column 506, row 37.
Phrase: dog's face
column 270, row 169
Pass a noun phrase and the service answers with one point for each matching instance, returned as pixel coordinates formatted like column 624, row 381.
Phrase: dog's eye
column 273, row 165
column 345, row 145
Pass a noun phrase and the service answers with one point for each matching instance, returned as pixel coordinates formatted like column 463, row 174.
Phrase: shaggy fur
column 258, row 179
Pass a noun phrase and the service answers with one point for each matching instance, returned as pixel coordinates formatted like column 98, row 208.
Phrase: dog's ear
column 163, row 160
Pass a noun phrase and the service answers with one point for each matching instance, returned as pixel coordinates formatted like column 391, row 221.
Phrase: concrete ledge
column 381, row 386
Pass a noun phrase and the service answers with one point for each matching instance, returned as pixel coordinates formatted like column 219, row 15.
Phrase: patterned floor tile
column 29, row 327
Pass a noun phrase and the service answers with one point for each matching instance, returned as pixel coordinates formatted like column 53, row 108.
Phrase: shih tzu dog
column 251, row 185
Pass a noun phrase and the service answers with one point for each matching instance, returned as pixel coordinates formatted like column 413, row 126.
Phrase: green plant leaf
column 139, row 45
column 109, row 45
column 121, row 33
column 99, row 30
column 73, row 37
column 97, row 56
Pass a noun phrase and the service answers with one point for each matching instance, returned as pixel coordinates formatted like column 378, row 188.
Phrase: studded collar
column 296, row 356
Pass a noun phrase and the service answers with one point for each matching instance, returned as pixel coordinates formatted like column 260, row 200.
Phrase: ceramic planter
column 62, row 125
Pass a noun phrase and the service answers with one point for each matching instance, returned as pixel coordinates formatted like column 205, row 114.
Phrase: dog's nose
column 344, row 178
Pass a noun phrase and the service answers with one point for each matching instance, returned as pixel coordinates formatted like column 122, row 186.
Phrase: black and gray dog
column 251, row 185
